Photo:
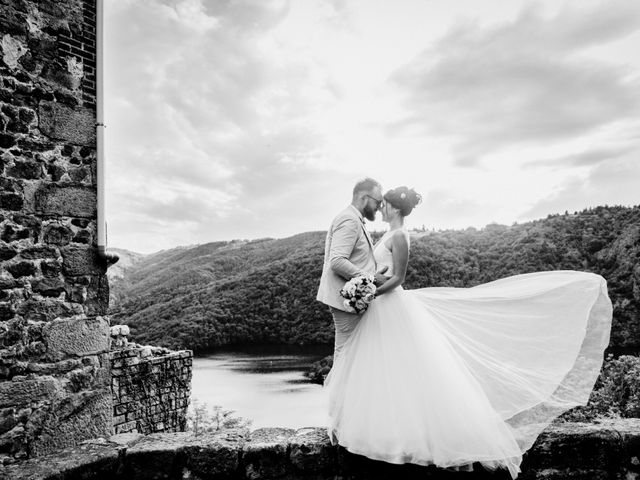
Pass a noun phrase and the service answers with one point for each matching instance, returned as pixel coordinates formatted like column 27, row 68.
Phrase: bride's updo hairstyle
column 403, row 198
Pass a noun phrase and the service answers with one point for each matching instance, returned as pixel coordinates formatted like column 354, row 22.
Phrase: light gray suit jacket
column 348, row 252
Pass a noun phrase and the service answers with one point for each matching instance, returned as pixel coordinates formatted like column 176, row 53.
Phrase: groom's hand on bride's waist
column 380, row 278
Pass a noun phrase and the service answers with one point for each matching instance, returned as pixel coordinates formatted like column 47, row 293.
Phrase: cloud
column 584, row 158
column 252, row 118
column 207, row 121
column 446, row 209
column 527, row 81
column 612, row 183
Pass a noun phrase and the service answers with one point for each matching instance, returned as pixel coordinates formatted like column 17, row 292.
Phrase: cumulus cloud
column 529, row 80
column 206, row 122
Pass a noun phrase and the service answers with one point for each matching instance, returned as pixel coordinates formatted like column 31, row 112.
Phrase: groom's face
column 374, row 199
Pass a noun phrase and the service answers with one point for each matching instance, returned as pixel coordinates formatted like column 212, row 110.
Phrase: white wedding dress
column 453, row 376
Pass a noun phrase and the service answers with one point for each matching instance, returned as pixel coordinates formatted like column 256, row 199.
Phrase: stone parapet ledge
column 603, row 451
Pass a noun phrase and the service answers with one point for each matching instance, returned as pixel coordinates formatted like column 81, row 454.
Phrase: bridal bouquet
column 358, row 292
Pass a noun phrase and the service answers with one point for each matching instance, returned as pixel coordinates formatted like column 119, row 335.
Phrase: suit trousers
column 344, row 323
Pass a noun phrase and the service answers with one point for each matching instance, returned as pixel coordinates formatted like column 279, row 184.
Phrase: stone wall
column 54, row 343
column 606, row 451
column 150, row 385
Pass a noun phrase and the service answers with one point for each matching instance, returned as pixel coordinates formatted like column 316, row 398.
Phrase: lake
column 265, row 384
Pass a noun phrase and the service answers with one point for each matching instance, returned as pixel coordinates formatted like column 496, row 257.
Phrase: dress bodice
column 383, row 255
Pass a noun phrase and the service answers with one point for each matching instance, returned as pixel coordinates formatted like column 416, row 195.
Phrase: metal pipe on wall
column 110, row 258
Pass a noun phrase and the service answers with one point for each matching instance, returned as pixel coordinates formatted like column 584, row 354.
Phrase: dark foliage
column 319, row 370
column 616, row 393
column 263, row 291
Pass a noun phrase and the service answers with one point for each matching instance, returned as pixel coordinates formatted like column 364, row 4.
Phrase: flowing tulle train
column 453, row 376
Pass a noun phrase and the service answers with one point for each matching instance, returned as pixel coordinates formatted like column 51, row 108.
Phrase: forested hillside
column 263, row 291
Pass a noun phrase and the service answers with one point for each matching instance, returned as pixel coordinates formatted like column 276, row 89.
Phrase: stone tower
column 54, row 342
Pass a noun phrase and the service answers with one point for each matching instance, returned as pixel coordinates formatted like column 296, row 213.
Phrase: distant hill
column 263, row 291
column 117, row 272
column 126, row 259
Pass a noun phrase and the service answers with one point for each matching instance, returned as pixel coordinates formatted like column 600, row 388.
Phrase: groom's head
column 367, row 197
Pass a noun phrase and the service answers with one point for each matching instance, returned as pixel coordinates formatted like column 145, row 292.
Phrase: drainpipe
column 108, row 258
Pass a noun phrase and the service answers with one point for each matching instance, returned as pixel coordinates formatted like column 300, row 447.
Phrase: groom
column 348, row 252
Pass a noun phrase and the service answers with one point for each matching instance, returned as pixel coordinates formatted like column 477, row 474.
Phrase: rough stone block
column 81, row 261
column 76, row 336
column 91, row 459
column 47, row 309
column 83, row 236
column 575, row 446
column 129, row 362
column 24, row 390
column 54, row 368
column 35, row 144
column 61, row 122
column 8, row 419
column 51, row 268
column 154, row 457
column 22, row 269
column 77, row 293
column 7, row 311
column 129, row 427
column 7, row 252
column 26, row 170
column 48, row 287
column 11, row 201
column 119, row 410
column 69, row 200
column 6, row 140
column 13, row 47
column 311, row 450
column 39, row 252
column 11, row 233
column 71, row 419
column 57, row 235
column 14, row 440
column 32, row 223
column 265, row 455
column 117, row 330
column 126, row 439
column 215, row 455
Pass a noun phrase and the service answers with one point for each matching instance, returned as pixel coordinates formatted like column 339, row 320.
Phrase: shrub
column 616, row 393
column 203, row 419
column 319, row 370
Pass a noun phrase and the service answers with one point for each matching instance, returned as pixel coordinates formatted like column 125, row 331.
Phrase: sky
column 242, row 119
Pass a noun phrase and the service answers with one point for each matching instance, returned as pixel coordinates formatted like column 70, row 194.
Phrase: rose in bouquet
column 358, row 293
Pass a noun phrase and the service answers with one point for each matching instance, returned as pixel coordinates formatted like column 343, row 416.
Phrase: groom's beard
column 369, row 213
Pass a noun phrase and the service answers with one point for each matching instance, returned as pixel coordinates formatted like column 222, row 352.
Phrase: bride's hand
column 379, row 278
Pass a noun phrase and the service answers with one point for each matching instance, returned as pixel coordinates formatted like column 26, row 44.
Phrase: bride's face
column 387, row 211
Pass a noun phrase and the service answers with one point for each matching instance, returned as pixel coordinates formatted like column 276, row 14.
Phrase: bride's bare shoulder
column 398, row 237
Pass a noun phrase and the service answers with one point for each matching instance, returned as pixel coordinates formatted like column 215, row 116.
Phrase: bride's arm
column 400, row 253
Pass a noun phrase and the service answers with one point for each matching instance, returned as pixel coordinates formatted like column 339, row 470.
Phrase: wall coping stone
column 605, row 450
column 149, row 352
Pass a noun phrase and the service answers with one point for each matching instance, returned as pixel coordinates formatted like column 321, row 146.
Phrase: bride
column 453, row 376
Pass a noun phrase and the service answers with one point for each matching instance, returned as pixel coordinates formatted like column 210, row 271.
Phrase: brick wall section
column 81, row 46
column 150, row 385
column 54, row 341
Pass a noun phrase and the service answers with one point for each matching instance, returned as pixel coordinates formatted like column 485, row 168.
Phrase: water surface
column 265, row 384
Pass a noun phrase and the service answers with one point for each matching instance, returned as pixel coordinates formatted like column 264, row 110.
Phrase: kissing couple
column 451, row 377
